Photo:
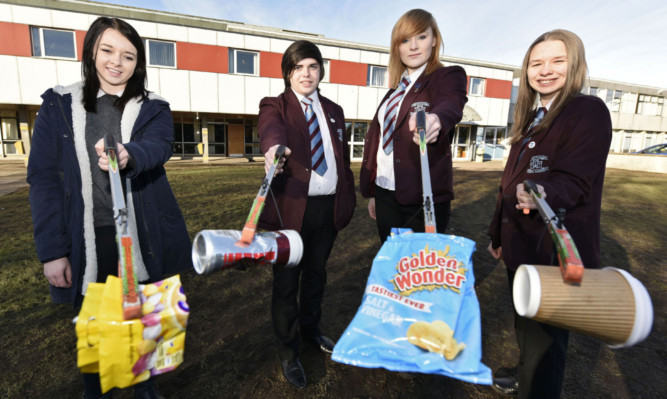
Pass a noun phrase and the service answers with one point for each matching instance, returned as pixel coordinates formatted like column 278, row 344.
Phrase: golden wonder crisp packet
column 126, row 352
column 420, row 311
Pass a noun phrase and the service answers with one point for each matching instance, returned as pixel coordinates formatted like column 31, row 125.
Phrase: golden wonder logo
column 428, row 270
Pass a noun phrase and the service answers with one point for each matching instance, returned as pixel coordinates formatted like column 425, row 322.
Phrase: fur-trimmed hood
column 130, row 114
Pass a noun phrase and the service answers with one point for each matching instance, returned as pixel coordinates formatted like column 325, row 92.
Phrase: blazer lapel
column 295, row 113
column 409, row 98
column 330, row 116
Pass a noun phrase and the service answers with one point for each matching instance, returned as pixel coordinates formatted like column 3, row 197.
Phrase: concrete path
column 12, row 175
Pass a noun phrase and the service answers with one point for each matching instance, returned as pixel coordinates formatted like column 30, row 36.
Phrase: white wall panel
column 276, row 86
column 31, row 16
column 486, row 72
column 505, row 113
column 328, row 52
column 384, row 59
column 175, row 88
column 482, row 105
column 172, row 32
column 370, row 57
column 348, row 98
column 367, row 102
column 35, row 76
column 501, row 74
column 5, row 13
column 348, row 54
column 471, row 70
column 231, row 94
column 153, row 76
column 256, row 88
column 9, row 80
column 203, row 91
column 233, row 40
column 495, row 112
column 202, row 36
column 145, row 29
column 279, row 45
column 68, row 72
column 257, row 43
column 69, row 20
column 329, row 91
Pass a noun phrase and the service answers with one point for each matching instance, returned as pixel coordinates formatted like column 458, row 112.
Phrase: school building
column 214, row 73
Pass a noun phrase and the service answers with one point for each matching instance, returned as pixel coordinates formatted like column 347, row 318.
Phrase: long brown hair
column 412, row 23
column 577, row 71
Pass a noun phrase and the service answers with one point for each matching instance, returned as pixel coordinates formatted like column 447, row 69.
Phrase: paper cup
column 609, row 304
column 217, row 249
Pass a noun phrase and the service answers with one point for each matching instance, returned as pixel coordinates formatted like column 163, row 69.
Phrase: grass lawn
column 230, row 349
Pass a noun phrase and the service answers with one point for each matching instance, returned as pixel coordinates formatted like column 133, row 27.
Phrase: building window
column 11, row 134
column 613, row 99
column 356, row 132
column 476, row 87
column 649, row 105
column 243, row 62
column 52, row 43
column 252, row 145
column 377, row 76
column 461, row 141
column 187, row 135
column 160, row 53
column 327, row 71
column 627, row 141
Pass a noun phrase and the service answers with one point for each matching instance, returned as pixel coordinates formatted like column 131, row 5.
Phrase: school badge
column 537, row 164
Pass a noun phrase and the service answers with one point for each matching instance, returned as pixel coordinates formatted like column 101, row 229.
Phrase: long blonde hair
column 412, row 23
column 577, row 71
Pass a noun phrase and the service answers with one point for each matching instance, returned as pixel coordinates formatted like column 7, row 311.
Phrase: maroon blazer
column 569, row 161
column 445, row 92
column 282, row 121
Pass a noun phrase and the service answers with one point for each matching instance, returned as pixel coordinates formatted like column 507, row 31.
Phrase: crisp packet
column 126, row 352
column 419, row 312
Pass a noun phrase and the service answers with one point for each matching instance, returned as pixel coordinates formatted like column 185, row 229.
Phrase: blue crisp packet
column 420, row 291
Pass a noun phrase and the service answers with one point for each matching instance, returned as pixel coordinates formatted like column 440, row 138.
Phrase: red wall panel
column 498, row 88
column 80, row 35
column 202, row 57
column 15, row 39
column 269, row 65
column 347, row 73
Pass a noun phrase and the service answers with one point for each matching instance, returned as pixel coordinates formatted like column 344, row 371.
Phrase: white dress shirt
column 326, row 184
column 385, row 163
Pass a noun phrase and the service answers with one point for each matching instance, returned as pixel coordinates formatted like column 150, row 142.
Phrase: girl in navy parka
column 68, row 174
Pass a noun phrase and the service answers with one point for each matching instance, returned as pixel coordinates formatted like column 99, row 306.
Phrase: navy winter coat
column 61, row 191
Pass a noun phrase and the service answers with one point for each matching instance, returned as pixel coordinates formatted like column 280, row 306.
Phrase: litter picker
column 131, row 297
column 429, row 215
column 571, row 266
column 248, row 233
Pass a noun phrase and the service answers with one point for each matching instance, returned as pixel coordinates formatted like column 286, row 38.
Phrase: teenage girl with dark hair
column 70, row 192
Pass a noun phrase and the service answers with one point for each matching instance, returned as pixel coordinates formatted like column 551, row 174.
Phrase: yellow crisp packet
column 131, row 351
column 87, row 330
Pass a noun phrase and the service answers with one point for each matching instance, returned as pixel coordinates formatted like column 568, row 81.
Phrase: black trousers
column 298, row 291
column 542, row 356
column 389, row 213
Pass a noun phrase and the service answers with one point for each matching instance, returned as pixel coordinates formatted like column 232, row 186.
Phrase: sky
column 625, row 41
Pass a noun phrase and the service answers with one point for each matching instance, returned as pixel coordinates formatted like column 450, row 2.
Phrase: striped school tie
column 538, row 117
column 316, row 148
column 390, row 116
column 541, row 112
